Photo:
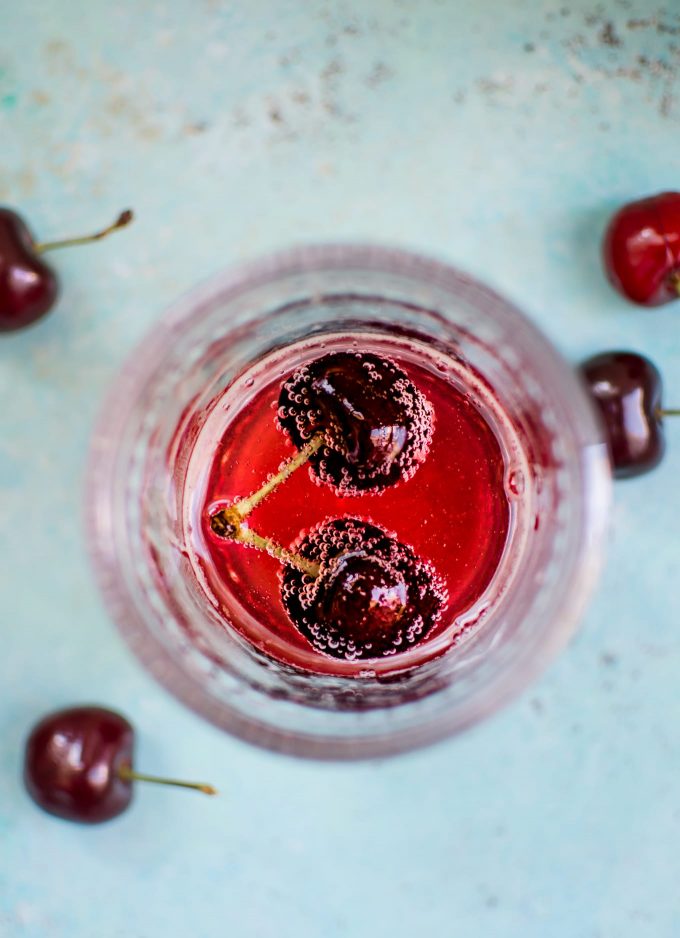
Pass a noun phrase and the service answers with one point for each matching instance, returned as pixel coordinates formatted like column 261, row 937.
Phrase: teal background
column 497, row 135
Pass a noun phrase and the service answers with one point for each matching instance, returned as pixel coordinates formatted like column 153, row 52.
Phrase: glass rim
column 137, row 371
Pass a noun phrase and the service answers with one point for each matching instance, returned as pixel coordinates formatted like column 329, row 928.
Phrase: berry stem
column 127, row 774
column 667, row 412
column 227, row 524
column 123, row 219
column 243, row 506
column 253, row 539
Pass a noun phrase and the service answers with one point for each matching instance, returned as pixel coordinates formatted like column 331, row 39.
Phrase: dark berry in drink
column 377, row 425
column 373, row 596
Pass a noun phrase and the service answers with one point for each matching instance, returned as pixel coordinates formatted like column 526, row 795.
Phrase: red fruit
column 78, row 765
column 641, row 250
column 362, row 597
column 28, row 287
column 73, row 762
column 377, row 426
column 373, row 595
column 627, row 390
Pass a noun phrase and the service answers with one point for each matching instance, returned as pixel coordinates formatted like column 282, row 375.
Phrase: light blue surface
column 498, row 135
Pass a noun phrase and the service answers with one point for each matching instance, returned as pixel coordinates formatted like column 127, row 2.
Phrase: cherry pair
column 351, row 588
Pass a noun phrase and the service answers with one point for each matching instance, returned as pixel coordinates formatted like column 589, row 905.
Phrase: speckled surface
column 498, row 135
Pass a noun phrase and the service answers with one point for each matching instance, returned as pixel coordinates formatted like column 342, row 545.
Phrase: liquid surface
column 453, row 512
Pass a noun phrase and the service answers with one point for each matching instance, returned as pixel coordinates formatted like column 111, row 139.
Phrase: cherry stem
column 243, row 506
column 667, row 412
column 123, row 219
column 227, row 522
column 253, row 539
column 127, row 774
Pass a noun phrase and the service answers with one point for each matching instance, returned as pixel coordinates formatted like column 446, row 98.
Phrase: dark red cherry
column 377, row 426
column 78, row 765
column 363, row 598
column 641, row 250
column 627, row 390
column 28, row 286
column 73, row 762
column 373, row 595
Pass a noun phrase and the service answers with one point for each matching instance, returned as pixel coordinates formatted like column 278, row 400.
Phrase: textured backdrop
column 497, row 135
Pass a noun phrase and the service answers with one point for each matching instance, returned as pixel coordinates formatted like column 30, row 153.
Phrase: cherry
column 78, row 765
column 28, row 286
column 627, row 390
column 377, row 426
column 371, row 596
column 362, row 598
column 641, row 250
